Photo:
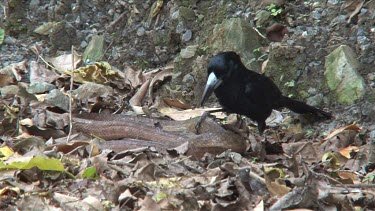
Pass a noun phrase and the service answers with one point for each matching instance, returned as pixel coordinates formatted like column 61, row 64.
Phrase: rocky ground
column 152, row 58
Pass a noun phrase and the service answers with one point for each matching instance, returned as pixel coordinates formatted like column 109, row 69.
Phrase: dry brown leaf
column 160, row 76
column 133, row 78
column 38, row 73
column 64, row 62
column 14, row 71
column 337, row 131
column 136, row 101
column 157, row 8
column 177, row 103
column 179, row 115
column 347, row 175
column 276, row 32
column 348, row 151
column 67, row 147
column 358, row 8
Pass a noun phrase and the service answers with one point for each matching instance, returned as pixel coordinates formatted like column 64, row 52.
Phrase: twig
column 70, row 98
column 115, row 22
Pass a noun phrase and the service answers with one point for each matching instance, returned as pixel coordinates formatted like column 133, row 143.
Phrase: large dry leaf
column 180, row 115
column 38, row 73
column 136, row 101
column 160, row 76
column 15, row 70
column 133, row 78
column 276, row 32
column 337, row 131
column 177, row 103
column 100, row 72
column 63, row 63
column 358, row 7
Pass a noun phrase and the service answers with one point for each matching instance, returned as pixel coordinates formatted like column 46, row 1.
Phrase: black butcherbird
column 245, row 92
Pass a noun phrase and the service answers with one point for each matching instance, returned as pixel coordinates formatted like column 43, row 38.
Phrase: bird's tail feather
column 301, row 107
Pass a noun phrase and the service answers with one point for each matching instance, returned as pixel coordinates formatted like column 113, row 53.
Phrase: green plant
column 256, row 50
column 290, row 84
column 275, row 11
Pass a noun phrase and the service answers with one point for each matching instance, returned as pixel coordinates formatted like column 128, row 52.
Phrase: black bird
column 245, row 92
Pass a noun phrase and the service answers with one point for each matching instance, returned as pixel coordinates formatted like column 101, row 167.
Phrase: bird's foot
column 200, row 121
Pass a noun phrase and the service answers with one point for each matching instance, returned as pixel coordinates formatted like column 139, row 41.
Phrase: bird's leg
column 203, row 117
column 261, row 127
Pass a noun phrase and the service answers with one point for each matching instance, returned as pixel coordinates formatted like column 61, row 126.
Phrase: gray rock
column 342, row 76
column 33, row 5
column 333, row 2
column 316, row 14
column 141, row 31
column 262, row 17
column 315, row 100
column 180, row 27
column 58, row 99
column 189, row 51
column 9, row 91
column 40, row 87
column 236, row 35
column 187, row 36
column 10, row 40
column 91, row 90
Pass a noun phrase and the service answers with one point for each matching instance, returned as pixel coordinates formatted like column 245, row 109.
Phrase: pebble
column 187, row 36
column 141, row 31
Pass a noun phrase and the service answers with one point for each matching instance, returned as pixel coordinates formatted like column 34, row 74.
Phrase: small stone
column 141, row 31
column 58, row 99
column 316, row 14
column 180, row 27
column 187, row 36
column 175, row 15
column 334, row 2
column 40, row 87
column 9, row 91
column 189, row 51
column 83, row 44
column 10, row 40
column 315, row 100
column 188, row 79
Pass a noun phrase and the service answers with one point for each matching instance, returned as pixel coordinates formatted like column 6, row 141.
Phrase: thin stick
column 70, row 98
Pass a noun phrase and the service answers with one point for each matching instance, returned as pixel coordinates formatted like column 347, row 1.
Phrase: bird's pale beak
column 212, row 83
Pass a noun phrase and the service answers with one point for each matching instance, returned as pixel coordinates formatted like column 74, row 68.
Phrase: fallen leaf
column 63, row 63
column 358, row 8
column 337, row 131
column 160, row 76
column 136, row 101
column 276, row 32
column 157, row 8
column 177, row 103
column 94, row 50
column 133, row 78
column 348, row 151
column 180, row 115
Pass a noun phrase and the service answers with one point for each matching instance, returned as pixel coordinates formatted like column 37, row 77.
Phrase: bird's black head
column 223, row 64
column 220, row 67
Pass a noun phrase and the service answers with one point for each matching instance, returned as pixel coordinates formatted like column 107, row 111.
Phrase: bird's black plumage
column 245, row 92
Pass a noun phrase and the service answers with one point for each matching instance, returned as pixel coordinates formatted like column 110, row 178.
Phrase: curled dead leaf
column 160, row 76
column 337, row 131
column 177, row 103
column 133, row 78
column 276, row 32
column 136, row 100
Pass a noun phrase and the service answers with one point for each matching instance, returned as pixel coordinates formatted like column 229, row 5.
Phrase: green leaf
column 2, row 35
column 43, row 163
column 90, row 172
